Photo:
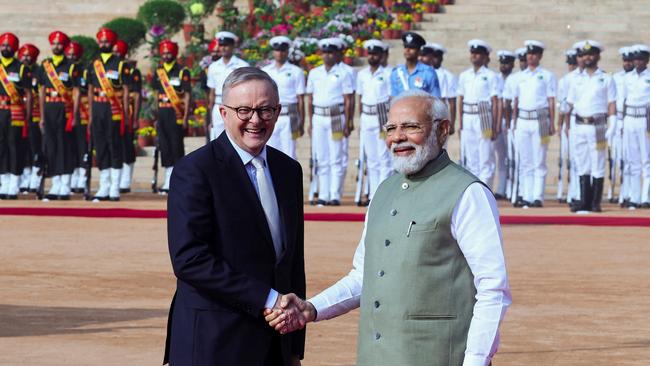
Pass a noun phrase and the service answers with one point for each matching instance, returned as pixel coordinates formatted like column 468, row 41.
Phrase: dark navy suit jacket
column 224, row 260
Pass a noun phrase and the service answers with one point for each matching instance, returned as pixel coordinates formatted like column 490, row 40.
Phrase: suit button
column 405, row 185
column 377, row 304
column 381, row 273
column 377, row 336
column 386, row 242
column 393, row 212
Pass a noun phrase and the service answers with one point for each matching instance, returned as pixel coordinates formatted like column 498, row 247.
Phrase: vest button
column 393, row 212
column 377, row 304
column 381, row 273
column 387, row 242
column 377, row 336
column 405, row 185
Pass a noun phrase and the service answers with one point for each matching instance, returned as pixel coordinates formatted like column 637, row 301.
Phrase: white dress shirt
column 290, row 79
column 328, row 87
column 478, row 86
column 218, row 71
column 637, row 88
column 353, row 74
column 508, row 92
column 448, row 83
column 534, row 87
column 595, row 93
column 247, row 159
column 374, row 88
column 475, row 226
column 619, row 80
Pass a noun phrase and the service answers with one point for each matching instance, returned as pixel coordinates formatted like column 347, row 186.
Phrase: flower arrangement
column 405, row 18
column 401, row 7
column 349, row 53
column 146, row 132
column 314, row 60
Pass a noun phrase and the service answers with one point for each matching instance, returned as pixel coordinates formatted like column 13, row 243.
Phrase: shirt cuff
column 320, row 304
column 271, row 299
column 474, row 360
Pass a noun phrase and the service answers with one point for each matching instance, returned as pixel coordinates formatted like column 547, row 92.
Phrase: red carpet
column 587, row 220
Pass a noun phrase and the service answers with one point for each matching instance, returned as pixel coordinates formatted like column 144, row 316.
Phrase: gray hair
column 438, row 110
column 245, row 74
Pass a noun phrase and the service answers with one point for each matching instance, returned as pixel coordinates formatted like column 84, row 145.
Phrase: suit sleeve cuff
column 271, row 299
column 475, row 360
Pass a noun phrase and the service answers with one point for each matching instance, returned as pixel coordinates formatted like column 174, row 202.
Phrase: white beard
column 415, row 162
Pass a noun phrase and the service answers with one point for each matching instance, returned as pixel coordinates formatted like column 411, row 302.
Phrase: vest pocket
column 430, row 317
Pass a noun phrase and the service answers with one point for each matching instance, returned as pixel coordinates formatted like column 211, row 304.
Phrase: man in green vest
column 429, row 272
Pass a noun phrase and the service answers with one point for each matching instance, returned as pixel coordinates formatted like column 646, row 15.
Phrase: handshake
column 290, row 313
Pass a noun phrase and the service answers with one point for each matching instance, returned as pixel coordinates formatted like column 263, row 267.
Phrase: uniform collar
column 284, row 65
column 105, row 57
column 6, row 61
column 233, row 61
column 57, row 59
column 379, row 70
column 169, row 66
column 480, row 70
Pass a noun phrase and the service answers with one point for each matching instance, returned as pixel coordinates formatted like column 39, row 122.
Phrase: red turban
column 213, row 45
column 11, row 39
column 121, row 48
column 60, row 37
column 29, row 49
column 168, row 46
column 106, row 34
column 75, row 49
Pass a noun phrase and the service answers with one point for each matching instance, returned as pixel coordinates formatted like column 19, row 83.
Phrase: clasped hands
column 289, row 314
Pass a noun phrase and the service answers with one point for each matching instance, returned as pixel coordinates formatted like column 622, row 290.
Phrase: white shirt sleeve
column 611, row 91
column 345, row 295
column 212, row 83
column 460, row 89
column 310, row 83
column 475, row 226
column 300, row 82
column 552, row 86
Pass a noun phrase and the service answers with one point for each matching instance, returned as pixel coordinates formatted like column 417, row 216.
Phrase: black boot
column 597, row 190
column 585, row 194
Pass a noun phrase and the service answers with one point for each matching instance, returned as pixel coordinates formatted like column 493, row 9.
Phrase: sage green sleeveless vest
column 418, row 291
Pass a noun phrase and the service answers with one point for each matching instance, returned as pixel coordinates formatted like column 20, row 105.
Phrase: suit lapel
column 241, row 182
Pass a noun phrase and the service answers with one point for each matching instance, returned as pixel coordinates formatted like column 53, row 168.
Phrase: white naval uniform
column 448, row 83
column 573, row 193
column 513, row 152
column 291, row 86
column 218, row 71
column 327, row 89
column 532, row 92
column 619, row 143
column 374, row 88
column 589, row 98
column 477, row 87
column 346, row 141
column 501, row 145
column 637, row 94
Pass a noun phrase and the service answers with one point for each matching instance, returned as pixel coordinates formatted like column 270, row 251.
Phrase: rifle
column 361, row 166
column 313, row 176
column 560, row 175
column 40, row 191
column 515, row 178
column 88, row 164
column 154, row 179
column 611, row 161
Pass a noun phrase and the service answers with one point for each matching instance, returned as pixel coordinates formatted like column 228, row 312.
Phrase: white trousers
column 638, row 157
column 532, row 159
column 478, row 151
column 217, row 123
column 376, row 153
column 281, row 138
column 501, row 158
column 329, row 158
column 589, row 160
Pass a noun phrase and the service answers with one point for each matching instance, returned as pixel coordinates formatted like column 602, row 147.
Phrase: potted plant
column 358, row 48
column 406, row 20
column 396, row 26
column 197, row 122
column 146, row 136
column 401, row 7
column 348, row 56
column 418, row 12
column 431, row 6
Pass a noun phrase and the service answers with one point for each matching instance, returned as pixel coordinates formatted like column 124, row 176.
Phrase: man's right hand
column 290, row 313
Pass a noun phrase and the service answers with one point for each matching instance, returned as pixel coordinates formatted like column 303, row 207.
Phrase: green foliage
column 131, row 31
column 167, row 13
column 91, row 49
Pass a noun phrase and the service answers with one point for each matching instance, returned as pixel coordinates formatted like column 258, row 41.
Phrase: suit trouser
column 638, row 154
column 170, row 137
column 59, row 144
column 532, row 159
column 479, row 151
column 106, row 137
column 501, row 158
column 12, row 146
column 282, row 138
column 589, row 160
column 329, row 157
column 377, row 155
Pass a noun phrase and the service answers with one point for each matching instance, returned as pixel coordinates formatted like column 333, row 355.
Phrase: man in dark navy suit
column 235, row 232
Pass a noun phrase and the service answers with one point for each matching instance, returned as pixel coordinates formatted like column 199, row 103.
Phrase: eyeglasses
column 408, row 128
column 246, row 113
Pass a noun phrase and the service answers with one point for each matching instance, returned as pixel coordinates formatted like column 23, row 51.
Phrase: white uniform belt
column 288, row 107
column 370, row 109
column 470, row 108
column 329, row 111
column 595, row 119
column 635, row 111
column 524, row 114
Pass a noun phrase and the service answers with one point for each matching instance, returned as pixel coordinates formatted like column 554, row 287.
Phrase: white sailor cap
column 571, row 56
column 627, row 53
column 641, row 50
column 534, row 46
column 375, row 46
column 571, row 53
column 331, row 44
column 479, row 45
column 226, row 38
column 296, row 55
column 433, row 47
column 506, row 56
column 588, row 45
column 521, row 52
column 280, row 43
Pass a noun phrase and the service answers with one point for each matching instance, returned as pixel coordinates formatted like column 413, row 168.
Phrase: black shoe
column 321, row 203
column 102, row 198
column 561, row 200
column 537, row 203
column 52, row 197
column 597, row 194
column 632, row 205
column 499, row 196
column 3, row 196
column 11, row 197
column 334, row 203
column 32, row 190
column 586, row 195
column 24, row 190
column 125, row 190
column 645, row 205
column 613, row 200
column 114, row 199
column 64, row 197
column 77, row 190
column 625, row 203
column 365, row 203
column 522, row 203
